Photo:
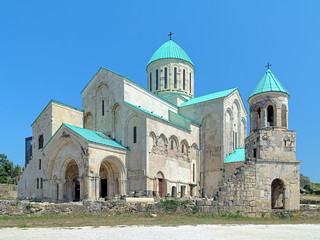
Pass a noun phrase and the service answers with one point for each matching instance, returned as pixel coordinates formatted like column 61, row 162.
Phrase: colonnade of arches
column 172, row 146
column 269, row 115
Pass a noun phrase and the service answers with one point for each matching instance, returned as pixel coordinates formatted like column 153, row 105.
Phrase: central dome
column 170, row 50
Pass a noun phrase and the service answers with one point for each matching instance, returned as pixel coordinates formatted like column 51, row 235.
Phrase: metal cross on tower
column 170, row 34
column 268, row 65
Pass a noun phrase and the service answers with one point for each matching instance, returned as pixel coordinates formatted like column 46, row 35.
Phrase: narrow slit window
column 151, row 81
column 37, row 183
column 171, row 144
column 193, row 172
column 41, row 183
column 182, row 148
column 41, row 141
column 165, row 77
column 175, row 77
column 184, row 79
column 102, row 107
column 157, row 79
column 134, row 134
column 190, row 82
column 39, row 164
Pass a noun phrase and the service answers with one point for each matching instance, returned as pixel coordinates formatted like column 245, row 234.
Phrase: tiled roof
column 170, row 50
column 238, row 155
column 269, row 83
column 92, row 136
column 208, row 97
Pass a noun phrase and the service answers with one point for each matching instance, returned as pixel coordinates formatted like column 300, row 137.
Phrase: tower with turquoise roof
column 271, row 146
column 171, row 72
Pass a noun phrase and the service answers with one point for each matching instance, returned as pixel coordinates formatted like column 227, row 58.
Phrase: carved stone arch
column 112, row 175
column 132, row 122
column 194, row 146
column 160, row 175
column 101, row 85
column 164, row 138
column 152, row 141
column 56, row 147
column 175, row 141
column 278, row 194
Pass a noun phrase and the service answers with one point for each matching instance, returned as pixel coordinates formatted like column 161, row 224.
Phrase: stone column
column 278, row 117
column 61, row 190
column 263, row 119
column 97, row 187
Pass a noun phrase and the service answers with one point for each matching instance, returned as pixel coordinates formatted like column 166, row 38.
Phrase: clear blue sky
column 51, row 49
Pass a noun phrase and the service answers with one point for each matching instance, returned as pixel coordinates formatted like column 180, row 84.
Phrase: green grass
column 79, row 220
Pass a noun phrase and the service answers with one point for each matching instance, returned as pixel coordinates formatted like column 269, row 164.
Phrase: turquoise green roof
column 208, row 97
column 238, row 155
column 269, row 83
column 170, row 50
column 154, row 115
column 92, row 136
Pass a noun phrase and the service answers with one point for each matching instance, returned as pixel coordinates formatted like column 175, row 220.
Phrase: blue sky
column 51, row 49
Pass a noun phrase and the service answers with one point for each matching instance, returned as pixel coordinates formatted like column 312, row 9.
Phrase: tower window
column 184, row 79
column 165, row 77
column 175, row 77
column 41, row 183
column 134, row 134
column 102, row 107
column 190, row 82
column 270, row 117
column 40, row 141
column 157, row 79
column 255, row 153
column 151, row 81
column 37, row 183
column 39, row 164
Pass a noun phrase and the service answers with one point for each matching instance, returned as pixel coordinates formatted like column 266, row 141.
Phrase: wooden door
column 160, row 187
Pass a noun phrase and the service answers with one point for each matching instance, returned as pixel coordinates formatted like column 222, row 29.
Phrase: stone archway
column 277, row 194
column 110, row 174
column 72, row 184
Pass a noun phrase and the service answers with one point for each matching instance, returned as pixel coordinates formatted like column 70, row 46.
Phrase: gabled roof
column 66, row 105
column 269, row 83
column 154, row 115
column 208, row 97
column 170, row 50
column 91, row 136
column 238, row 155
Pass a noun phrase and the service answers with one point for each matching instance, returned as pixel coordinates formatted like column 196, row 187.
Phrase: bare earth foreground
column 248, row 232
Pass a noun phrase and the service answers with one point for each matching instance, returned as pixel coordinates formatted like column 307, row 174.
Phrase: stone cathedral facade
column 162, row 140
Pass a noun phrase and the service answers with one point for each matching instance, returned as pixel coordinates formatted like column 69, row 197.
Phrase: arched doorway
column 277, row 194
column 160, row 178
column 72, row 182
column 110, row 179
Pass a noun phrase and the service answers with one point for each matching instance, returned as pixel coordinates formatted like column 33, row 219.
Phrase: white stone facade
column 155, row 142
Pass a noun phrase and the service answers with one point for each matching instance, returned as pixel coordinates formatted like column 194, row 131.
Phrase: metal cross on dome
column 170, row 34
column 268, row 65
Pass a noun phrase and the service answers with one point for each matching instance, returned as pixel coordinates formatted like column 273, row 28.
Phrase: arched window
column 184, row 79
column 134, row 134
column 175, row 77
column 165, row 77
column 270, row 116
column 89, row 121
column 40, row 141
column 190, row 82
column 151, row 81
column 182, row 148
column 171, row 144
column 157, row 79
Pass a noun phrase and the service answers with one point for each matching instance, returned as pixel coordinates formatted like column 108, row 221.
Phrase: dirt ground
column 248, row 232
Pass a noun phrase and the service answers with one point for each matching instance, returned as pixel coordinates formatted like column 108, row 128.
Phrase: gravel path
column 248, row 232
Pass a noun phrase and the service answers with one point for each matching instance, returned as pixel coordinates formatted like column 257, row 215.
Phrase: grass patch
column 80, row 220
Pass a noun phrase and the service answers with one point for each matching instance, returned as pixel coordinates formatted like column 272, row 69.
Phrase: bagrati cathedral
column 163, row 141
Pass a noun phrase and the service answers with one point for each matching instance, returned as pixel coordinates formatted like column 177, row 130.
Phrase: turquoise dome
column 170, row 50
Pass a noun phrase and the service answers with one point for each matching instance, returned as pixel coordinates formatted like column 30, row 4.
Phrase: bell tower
column 271, row 146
